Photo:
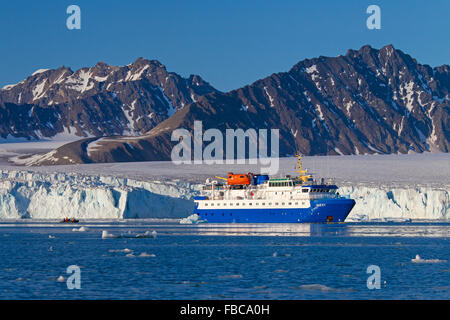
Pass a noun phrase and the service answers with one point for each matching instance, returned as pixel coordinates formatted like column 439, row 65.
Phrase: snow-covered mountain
column 97, row 101
column 368, row 101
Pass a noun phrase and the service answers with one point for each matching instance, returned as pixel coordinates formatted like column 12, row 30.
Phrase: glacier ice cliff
column 55, row 196
column 27, row 194
column 402, row 203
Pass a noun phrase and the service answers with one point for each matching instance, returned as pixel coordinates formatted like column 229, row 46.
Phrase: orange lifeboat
column 236, row 179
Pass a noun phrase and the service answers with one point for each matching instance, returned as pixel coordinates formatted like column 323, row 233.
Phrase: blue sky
column 229, row 43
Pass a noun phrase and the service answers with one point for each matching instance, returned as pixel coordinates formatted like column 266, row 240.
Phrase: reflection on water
column 341, row 230
column 398, row 230
column 172, row 227
column 257, row 229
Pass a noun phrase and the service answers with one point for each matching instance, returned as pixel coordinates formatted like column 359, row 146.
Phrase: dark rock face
column 98, row 101
column 368, row 101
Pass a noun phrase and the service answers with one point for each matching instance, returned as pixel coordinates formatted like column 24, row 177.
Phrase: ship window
column 237, row 203
column 250, row 203
column 282, row 204
column 304, row 190
column 296, row 203
column 276, row 203
column 270, row 203
column 206, row 204
column 263, row 203
column 212, row 204
column 290, row 203
column 231, row 204
column 242, row 176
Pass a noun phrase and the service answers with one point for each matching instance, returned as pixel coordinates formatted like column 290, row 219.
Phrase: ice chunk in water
column 192, row 219
column 418, row 259
column 81, row 229
column 126, row 250
column 146, row 234
column 107, row 235
column 145, row 254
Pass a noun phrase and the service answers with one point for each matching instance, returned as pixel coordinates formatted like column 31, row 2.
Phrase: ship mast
column 302, row 172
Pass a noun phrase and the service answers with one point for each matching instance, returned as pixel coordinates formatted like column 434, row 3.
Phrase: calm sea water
column 235, row 261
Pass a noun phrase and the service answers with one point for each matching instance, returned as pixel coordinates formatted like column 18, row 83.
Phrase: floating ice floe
column 146, row 234
column 51, row 237
column 231, row 276
column 316, row 287
column 418, row 259
column 81, row 229
column 107, row 235
column 192, row 219
column 145, row 254
column 126, row 250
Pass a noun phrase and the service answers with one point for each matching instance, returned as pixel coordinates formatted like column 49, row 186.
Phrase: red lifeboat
column 238, row 179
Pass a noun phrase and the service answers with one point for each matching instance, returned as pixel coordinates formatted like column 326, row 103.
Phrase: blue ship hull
column 323, row 210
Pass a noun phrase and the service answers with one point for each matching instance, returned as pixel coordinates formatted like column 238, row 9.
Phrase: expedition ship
column 253, row 198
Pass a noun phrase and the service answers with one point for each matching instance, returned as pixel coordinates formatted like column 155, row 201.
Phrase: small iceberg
column 60, row 279
column 418, row 259
column 192, row 219
column 107, row 235
column 147, row 234
column 145, row 254
column 81, row 229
